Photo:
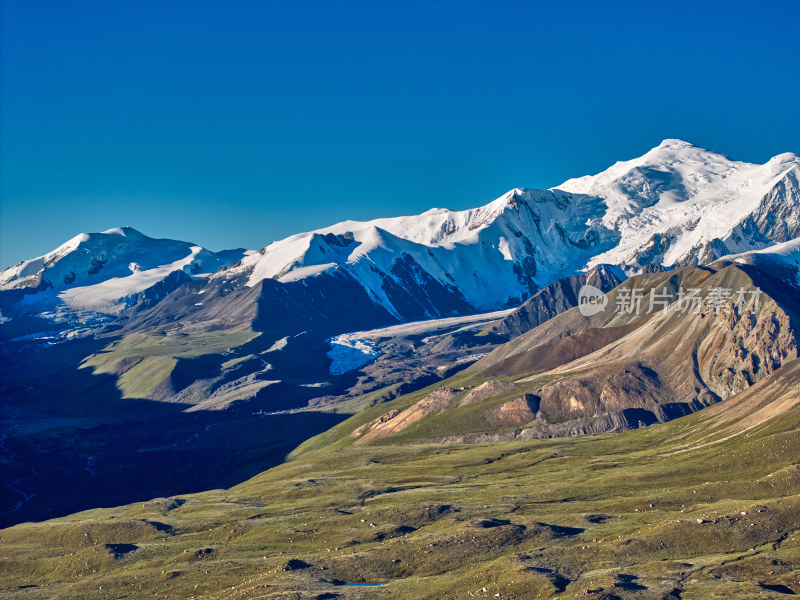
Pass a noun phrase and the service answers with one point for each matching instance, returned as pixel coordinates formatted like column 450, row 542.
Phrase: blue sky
column 236, row 123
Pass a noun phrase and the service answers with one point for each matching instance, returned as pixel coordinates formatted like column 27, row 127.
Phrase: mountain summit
column 101, row 272
column 679, row 204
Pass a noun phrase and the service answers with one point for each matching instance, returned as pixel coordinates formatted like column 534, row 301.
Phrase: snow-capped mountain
column 680, row 204
column 487, row 257
column 104, row 272
column 677, row 204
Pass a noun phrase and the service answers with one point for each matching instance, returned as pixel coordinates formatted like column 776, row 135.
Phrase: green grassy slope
column 141, row 362
column 707, row 506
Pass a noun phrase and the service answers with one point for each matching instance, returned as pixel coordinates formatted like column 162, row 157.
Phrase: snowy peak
column 96, row 271
column 681, row 204
column 675, row 162
column 123, row 231
column 675, row 143
column 675, row 165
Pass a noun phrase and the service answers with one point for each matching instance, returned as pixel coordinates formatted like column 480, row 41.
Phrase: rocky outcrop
column 606, row 390
column 391, row 423
column 538, row 428
column 743, row 348
column 518, row 411
column 489, row 389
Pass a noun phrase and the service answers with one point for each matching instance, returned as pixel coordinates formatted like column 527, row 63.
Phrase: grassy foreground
column 697, row 508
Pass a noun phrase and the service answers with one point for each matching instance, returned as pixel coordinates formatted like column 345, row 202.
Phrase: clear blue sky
column 232, row 123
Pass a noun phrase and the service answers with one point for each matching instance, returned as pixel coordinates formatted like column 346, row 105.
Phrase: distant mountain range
column 675, row 205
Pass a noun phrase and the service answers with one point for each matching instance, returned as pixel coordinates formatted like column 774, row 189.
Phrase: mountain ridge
column 677, row 204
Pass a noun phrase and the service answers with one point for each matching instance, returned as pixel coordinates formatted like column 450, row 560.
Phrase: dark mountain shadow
column 70, row 442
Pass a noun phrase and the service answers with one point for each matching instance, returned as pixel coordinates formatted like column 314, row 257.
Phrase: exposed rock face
column 540, row 429
column 518, row 411
column 745, row 348
column 387, row 424
column 154, row 294
column 777, row 217
column 388, row 417
column 604, row 391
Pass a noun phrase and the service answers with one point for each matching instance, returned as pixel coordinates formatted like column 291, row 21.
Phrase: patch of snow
column 504, row 249
column 349, row 353
column 115, row 231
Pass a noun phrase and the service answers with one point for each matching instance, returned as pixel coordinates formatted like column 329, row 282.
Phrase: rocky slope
column 615, row 370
